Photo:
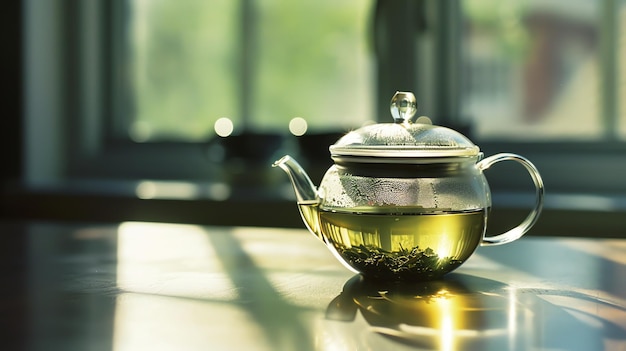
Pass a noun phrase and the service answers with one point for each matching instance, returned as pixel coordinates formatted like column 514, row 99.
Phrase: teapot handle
column 523, row 227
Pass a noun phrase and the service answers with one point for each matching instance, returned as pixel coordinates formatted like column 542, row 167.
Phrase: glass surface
column 202, row 68
column 532, row 69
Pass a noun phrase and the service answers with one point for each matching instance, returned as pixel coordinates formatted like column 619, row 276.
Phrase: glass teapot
column 404, row 200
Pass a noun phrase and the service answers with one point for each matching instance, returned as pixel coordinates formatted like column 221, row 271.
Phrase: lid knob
column 403, row 106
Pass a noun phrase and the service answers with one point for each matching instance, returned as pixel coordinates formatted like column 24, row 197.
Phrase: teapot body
column 403, row 221
column 404, row 200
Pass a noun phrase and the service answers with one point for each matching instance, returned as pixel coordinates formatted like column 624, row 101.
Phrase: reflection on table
column 182, row 287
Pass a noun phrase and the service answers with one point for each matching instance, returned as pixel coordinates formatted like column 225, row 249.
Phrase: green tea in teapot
column 399, row 242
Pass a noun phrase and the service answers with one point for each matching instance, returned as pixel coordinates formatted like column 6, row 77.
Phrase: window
column 149, row 86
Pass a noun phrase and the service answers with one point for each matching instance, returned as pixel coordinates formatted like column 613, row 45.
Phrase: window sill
column 583, row 215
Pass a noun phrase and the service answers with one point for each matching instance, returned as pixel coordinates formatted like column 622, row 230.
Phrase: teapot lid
column 403, row 141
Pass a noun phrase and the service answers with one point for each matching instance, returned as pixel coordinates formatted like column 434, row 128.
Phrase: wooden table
column 149, row 286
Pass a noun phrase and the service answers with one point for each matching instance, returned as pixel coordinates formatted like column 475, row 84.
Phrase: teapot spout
column 302, row 184
column 306, row 193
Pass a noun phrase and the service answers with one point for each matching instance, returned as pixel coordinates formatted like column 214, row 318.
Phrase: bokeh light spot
column 224, row 127
column 298, row 126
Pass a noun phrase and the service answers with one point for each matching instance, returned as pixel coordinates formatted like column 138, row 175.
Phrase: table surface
column 154, row 286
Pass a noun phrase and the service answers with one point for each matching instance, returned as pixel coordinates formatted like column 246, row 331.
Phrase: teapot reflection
column 458, row 312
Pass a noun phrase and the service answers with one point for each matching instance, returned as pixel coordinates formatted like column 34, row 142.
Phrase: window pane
column 313, row 62
column 183, row 59
column 304, row 59
column 532, row 69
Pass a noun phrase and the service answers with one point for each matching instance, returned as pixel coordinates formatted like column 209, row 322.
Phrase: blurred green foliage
column 308, row 59
column 503, row 21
